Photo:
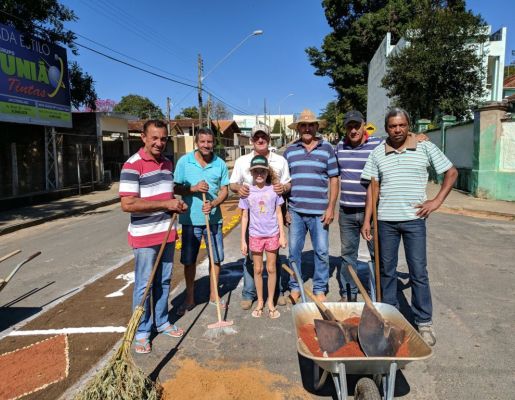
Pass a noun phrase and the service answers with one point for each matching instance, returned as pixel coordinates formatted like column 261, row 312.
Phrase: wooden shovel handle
column 158, row 259
column 374, row 184
column 212, row 263
column 328, row 313
column 9, row 255
column 362, row 290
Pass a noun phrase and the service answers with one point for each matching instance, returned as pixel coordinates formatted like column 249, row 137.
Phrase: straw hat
column 308, row 116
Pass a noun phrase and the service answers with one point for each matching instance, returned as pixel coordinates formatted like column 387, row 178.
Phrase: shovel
column 331, row 333
column 4, row 282
column 377, row 337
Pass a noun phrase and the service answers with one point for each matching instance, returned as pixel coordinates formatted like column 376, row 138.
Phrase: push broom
column 220, row 327
column 121, row 378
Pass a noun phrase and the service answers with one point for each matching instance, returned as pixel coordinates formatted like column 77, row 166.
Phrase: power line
column 132, row 58
column 132, row 65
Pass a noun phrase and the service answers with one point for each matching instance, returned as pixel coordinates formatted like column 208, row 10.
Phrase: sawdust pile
column 218, row 381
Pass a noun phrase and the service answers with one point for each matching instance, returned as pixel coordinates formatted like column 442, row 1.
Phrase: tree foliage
column 334, row 116
column 358, row 26
column 440, row 71
column 277, row 126
column 82, row 88
column 139, row 106
column 45, row 19
column 191, row 112
column 220, row 111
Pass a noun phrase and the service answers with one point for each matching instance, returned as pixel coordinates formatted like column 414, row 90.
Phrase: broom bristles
column 121, row 378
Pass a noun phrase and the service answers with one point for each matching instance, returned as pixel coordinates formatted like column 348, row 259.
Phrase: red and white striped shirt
column 148, row 179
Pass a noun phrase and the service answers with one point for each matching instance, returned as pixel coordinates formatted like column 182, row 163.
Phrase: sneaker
column 428, row 334
column 246, row 304
column 281, row 300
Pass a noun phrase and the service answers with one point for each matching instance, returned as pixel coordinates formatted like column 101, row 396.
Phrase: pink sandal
column 142, row 346
column 173, row 331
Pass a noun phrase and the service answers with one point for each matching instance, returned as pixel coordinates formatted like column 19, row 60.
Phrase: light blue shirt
column 189, row 172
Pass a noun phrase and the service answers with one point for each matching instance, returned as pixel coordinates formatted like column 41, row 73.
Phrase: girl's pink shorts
column 258, row 244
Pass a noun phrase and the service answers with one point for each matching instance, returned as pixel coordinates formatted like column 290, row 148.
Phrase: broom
column 220, row 327
column 121, row 378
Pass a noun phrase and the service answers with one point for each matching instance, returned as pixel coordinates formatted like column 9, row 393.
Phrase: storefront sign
column 34, row 84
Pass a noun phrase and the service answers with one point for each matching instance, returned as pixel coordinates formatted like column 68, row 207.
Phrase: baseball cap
column 260, row 128
column 259, row 162
column 353, row 115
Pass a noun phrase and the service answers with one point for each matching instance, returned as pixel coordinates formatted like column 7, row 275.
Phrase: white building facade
column 493, row 53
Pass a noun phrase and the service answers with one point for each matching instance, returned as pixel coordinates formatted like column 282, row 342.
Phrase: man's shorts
column 258, row 244
column 191, row 238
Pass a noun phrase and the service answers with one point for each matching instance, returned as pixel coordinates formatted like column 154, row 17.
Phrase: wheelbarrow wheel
column 366, row 389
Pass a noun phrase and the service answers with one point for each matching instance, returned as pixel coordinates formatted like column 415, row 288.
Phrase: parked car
column 273, row 148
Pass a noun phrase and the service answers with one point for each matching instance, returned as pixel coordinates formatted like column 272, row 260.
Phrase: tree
column 440, row 71
column 358, row 29
column 220, row 111
column 277, row 127
column 139, row 106
column 190, row 112
column 334, row 117
column 45, row 19
column 82, row 88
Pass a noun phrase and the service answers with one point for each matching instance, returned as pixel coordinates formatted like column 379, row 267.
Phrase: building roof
column 509, row 82
column 223, row 124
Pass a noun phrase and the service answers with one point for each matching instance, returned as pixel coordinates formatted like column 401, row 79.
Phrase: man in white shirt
column 239, row 183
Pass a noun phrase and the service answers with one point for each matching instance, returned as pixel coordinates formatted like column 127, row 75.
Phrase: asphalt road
column 74, row 250
column 471, row 267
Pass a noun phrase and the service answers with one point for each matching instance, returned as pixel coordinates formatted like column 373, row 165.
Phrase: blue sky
column 168, row 35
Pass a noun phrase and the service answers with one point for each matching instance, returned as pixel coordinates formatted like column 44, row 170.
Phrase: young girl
column 261, row 212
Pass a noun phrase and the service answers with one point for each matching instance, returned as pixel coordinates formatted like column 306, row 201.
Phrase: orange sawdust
column 32, row 368
column 220, row 381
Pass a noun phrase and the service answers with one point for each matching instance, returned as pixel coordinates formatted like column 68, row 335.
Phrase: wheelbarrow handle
column 326, row 313
column 9, row 255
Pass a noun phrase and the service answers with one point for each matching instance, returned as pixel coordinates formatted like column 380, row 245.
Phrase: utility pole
column 209, row 111
column 200, row 70
column 168, row 114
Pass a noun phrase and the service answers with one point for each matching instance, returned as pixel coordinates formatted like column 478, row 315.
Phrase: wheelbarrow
column 383, row 369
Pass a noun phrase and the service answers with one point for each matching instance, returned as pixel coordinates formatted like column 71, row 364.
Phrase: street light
column 202, row 77
column 280, row 117
column 255, row 33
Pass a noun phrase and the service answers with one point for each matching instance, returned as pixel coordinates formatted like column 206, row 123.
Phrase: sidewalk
column 25, row 217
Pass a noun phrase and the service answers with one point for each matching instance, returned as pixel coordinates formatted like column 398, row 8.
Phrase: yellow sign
column 370, row 128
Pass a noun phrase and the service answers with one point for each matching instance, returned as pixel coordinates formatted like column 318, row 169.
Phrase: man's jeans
column 351, row 221
column 144, row 259
column 413, row 235
column 300, row 225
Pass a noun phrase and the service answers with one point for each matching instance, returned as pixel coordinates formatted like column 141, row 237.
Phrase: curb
column 479, row 213
column 57, row 215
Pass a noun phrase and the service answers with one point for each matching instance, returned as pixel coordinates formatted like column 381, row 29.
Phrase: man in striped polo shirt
column 146, row 191
column 352, row 153
column 400, row 166
column 314, row 190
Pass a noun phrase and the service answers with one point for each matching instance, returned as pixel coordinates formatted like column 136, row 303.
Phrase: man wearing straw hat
column 146, row 191
column 201, row 172
column 240, row 181
column 314, row 190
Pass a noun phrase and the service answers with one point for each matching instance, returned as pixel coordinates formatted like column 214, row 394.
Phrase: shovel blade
column 330, row 335
column 376, row 337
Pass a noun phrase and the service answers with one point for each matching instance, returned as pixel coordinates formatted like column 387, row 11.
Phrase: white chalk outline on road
column 69, row 331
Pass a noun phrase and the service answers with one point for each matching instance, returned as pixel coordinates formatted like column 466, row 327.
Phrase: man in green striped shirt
column 400, row 166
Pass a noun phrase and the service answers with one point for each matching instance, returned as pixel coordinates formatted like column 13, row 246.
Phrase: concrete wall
column 507, row 155
column 493, row 173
